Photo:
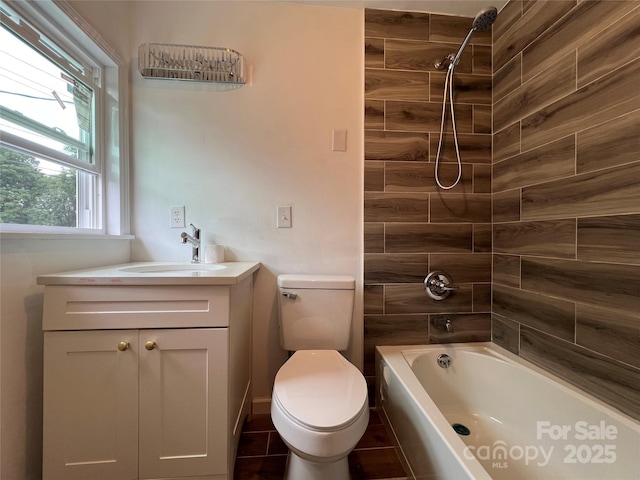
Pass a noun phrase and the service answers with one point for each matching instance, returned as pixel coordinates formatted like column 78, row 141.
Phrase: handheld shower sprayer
column 482, row 21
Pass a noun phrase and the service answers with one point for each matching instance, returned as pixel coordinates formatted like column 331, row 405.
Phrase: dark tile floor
column 262, row 454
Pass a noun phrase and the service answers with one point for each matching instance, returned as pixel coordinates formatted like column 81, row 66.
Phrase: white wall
column 232, row 156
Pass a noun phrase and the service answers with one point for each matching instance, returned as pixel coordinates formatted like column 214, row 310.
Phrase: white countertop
column 159, row 273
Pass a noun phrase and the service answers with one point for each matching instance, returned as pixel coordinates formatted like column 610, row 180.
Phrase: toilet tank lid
column 333, row 282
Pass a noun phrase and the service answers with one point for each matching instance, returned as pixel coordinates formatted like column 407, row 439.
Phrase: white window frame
column 62, row 24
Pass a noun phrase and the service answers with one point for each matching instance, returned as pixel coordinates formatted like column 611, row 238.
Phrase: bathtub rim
column 393, row 351
column 394, row 358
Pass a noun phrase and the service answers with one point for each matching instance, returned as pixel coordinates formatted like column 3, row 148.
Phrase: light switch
column 284, row 216
column 339, row 141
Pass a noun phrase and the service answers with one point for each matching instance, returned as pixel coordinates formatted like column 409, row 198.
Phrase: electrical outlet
column 177, row 217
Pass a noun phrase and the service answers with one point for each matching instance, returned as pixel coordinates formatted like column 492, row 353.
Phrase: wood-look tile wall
column 566, row 191
column 411, row 226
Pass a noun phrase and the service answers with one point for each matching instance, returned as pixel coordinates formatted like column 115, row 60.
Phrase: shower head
column 485, row 18
column 482, row 21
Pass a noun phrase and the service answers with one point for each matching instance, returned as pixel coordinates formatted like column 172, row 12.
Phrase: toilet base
column 299, row 468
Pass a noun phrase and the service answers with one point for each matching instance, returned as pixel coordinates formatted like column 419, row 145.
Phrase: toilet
column 319, row 404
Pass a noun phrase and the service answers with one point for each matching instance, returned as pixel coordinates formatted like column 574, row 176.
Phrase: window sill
column 61, row 236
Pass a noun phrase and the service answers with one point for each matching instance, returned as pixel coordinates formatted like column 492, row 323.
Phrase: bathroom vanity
column 147, row 370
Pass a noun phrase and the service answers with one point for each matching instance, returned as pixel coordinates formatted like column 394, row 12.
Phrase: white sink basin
column 173, row 268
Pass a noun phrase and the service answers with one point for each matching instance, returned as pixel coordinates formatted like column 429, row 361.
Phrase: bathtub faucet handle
column 438, row 285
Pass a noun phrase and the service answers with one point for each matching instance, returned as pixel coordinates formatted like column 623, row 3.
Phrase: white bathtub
column 524, row 423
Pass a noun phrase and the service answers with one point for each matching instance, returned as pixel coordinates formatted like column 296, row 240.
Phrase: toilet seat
column 320, row 390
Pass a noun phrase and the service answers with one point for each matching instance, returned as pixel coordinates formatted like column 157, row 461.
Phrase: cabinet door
column 183, row 402
column 90, row 405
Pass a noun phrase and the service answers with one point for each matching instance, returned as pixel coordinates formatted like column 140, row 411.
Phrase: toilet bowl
column 320, row 409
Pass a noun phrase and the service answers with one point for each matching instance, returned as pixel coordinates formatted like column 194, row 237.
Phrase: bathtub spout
column 443, row 323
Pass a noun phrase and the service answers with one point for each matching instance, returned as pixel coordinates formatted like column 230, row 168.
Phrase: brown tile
column 453, row 29
column 578, row 27
column 481, row 119
column 509, row 14
column 276, row 445
column 452, row 208
column 399, row 146
column 506, row 206
column 610, row 49
column 473, row 148
column 481, row 297
column 611, row 381
column 610, row 144
column 600, row 284
column 411, row 298
column 506, row 270
column 609, row 332
column 552, row 84
column 374, row 53
column 481, row 178
column 253, row 444
column 373, row 299
column 481, row 60
column 373, row 237
column 474, row 327
column 463, row 268
column 392, row 330
column 395, row 330
column 374, row 114
column 419, row 177
column 260, row 468
column 373, row 176
column 586, row 194
column 428, row 238
column 467, row 88
column 416, row 55
column 258, row 423
column 395, row 24
column 396, row 85
column 505, row 333
column 609, row 239
column 420, row 117
column 608, row 97
column 552, row 238
column 374, row 437
column 482, row 238
column 507, row 79
column 410, row 177
column 377, row 463
column 550, row 315
column 549, row 162
column 527, row 28
column 506, row 143
column 395, row 268
column 396, row 207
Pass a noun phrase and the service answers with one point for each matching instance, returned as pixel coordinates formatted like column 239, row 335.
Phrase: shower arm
column 454, row 59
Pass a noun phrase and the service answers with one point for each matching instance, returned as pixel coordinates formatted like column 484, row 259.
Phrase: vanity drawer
column 94, row 307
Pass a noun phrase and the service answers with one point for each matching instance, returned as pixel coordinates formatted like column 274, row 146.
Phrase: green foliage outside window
column 28, row 196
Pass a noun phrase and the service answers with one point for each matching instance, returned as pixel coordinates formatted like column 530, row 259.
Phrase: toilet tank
column 315, row 311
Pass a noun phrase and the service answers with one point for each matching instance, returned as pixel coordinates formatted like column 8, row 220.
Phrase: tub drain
column 461, row 429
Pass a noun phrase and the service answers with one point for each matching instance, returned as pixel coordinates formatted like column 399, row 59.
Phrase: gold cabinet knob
column 122, row 346
column 150, row 345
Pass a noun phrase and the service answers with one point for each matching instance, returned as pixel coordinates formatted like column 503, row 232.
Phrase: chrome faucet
column 443, row 323
column 194, row 240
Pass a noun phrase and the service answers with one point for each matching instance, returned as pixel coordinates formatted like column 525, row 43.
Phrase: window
column 61, row 149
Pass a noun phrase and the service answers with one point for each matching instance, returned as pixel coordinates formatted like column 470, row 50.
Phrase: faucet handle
column 195, row 230
column 438, row 285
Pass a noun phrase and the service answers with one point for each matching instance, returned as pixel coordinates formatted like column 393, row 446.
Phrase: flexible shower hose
column 448, row 88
